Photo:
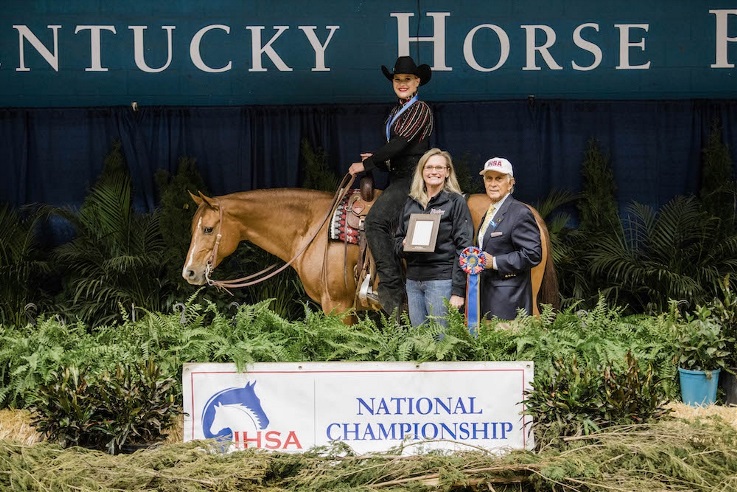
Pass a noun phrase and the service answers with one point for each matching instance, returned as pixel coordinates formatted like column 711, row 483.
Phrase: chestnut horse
column 289, row 223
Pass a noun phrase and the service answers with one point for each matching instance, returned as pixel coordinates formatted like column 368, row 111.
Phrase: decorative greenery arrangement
column 575, row 399
column 702, row 345
column 467, row 172
column 598, row 200
column 681, row 252
column 724, row 311
column 600, row 346
column 30, row 353
column 24, row 266
column 116, row 257
column 718, row 190
column 596, row 205
column 676, row 253
column 671, row 455
column 112, row 411
column 175, row 218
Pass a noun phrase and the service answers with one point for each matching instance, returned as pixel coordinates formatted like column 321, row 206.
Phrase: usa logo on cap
column 498, row 164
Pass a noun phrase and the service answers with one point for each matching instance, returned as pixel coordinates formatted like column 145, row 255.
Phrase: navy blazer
column 513, row 239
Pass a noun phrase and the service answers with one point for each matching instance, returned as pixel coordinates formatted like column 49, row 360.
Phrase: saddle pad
column 346, row 222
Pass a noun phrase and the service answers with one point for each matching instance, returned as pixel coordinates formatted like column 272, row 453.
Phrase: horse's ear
column 195, row 198
column 212, row 203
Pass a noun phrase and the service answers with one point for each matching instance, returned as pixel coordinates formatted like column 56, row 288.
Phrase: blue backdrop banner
column 237, row 52
column 655, row 148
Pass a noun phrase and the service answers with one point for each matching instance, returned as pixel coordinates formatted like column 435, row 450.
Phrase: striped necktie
column 485, row 225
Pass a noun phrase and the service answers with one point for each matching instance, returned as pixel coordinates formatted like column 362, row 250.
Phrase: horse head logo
column 231, row 410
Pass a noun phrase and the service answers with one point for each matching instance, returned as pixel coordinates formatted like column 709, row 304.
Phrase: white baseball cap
column 498, row 164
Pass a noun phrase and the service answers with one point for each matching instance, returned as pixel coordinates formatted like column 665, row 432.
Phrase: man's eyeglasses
column 435, row 168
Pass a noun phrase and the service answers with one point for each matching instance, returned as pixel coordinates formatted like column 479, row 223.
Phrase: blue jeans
column 428, row 298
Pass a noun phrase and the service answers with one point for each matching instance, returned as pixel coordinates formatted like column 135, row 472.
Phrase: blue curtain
column 655, row 148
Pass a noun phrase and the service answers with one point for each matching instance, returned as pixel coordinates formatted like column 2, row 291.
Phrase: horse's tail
column 549, row 293
column 548, row 290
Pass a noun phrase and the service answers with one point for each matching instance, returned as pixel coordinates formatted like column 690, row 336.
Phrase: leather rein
column 264, row 274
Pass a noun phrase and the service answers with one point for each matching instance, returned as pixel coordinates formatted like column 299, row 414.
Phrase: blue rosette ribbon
column 472, row 262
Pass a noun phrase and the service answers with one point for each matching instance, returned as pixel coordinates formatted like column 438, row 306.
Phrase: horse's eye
column 208, row 230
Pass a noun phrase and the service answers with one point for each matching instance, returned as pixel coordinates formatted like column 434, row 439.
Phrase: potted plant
column 703, row 349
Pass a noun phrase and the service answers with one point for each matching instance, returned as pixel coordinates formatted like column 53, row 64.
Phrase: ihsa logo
column 236, row 414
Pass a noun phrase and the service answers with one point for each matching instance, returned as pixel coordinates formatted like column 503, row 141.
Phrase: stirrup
column 366, row 292
column 367, row 296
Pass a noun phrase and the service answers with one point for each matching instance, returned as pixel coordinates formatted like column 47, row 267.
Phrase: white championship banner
column 370, row 406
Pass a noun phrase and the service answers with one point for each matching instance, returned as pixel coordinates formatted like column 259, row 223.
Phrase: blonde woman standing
column 434, row 278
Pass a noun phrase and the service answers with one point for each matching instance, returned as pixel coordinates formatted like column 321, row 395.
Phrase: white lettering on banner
column 319, row 48
column 438, row 37
column 531, row 48
column 51, row 58
column 95, row 57
column 138, row 48
column 588, row 46
column 194, row 49
column 257, row 49
column 625, row 44
column 539, row 47
column 722, row 25
column 503, row 48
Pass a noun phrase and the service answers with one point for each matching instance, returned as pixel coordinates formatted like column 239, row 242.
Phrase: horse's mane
column 280, row 194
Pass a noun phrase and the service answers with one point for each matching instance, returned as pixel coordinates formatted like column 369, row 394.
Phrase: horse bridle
column 259, row 277
column 239, row 282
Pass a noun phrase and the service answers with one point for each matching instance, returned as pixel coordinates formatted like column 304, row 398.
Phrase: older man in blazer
column 510, row 240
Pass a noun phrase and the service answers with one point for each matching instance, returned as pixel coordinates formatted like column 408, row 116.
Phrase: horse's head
column 233, row 409
column 212, row 241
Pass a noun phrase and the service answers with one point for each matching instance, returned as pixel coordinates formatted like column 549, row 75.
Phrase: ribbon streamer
column 473, row 262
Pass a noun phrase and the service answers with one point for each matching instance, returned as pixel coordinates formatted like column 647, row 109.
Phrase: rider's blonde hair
column 417, row 190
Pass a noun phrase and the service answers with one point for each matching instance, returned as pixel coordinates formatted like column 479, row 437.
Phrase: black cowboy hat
column 405, row 64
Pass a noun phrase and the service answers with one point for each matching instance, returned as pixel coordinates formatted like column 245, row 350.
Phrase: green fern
column 116, row 257
column 598, row 203
column 676, row 253
column 718, row 191
column 24, row 270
